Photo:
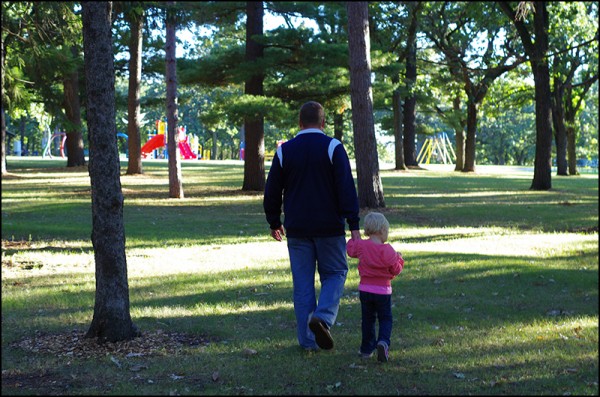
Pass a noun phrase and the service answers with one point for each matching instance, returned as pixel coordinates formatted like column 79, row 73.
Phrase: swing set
column 61, row 137
column 438, row 146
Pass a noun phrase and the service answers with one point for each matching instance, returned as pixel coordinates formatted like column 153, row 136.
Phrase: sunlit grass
column 499, row 294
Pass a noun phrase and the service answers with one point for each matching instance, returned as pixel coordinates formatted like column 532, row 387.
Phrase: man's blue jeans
column 327, row 255
column 375, row 307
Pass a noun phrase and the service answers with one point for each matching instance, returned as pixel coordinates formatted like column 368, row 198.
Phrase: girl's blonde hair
column 375, row 223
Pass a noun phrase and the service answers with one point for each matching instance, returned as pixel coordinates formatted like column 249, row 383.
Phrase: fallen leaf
column 215, row 376
column 458, row 375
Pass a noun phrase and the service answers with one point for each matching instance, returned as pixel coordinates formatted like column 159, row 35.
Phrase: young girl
column 378, row 264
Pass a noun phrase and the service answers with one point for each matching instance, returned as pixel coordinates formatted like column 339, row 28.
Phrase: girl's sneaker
column 382, row 351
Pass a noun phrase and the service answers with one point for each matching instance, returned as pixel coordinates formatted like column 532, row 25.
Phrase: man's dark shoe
column 322, row 335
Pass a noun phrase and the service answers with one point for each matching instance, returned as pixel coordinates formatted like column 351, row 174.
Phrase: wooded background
column 467, row 69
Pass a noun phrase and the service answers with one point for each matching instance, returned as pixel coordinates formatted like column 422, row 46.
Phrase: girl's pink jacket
column 378, row 264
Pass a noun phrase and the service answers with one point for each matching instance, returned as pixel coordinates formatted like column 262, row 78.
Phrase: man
column 311, row 176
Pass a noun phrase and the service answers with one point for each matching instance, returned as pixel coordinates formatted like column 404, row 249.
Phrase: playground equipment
column 159, row 140
column 123, row 135
column 62, row 139
column 438, row 146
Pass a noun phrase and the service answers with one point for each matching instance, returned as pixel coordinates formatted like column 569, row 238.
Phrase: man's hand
column 278, row 233
column 355, row 234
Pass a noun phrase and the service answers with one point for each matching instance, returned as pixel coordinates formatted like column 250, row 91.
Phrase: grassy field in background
column 499, row 295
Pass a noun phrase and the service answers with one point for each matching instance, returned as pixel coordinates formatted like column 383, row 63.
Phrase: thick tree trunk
column 542, row 174
column 410, row 101
column 254, row 164
column 370, row 189
column 72, row 105
column 134, row 143
column 571, row 153
column 537, row 53
column 459, row 135
column 112, row 320
column 469, row 165
column 175, row 183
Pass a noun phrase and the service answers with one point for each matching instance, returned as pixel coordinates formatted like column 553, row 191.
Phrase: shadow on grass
column 449, row 288
column 445, row 306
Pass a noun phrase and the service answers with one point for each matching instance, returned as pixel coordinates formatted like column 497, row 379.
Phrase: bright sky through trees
column 270, row 22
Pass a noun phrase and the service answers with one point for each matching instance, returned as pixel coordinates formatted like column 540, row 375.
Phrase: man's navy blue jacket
column 311, row 176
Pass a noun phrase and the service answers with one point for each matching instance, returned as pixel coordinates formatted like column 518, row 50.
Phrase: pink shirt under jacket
column 378, row 264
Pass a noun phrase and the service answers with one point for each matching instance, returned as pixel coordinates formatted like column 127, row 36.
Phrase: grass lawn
column 499, row 294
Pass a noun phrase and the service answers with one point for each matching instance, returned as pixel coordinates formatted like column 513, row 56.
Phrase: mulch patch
column 74, row 344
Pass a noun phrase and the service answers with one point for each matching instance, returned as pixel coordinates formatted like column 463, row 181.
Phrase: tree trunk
column 542, row 174
column 560, row 134
column 112, row 320
column 72, row 105
column 254, row 164
column 3, row 143
column 469, row 165
column 459, row 136
column 134, row 143
column 537, row 53
column 370, row 190
column 571, row 153
column 570, row 114
column 410, row 101
column 398, row 135
column 3, row 115
column 175, row 184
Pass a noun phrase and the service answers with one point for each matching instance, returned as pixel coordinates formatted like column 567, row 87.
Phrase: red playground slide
column 155, row 142
column 186, row 151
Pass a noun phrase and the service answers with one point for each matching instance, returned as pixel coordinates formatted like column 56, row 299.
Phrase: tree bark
column 398, row 136
column 537, row 53
column 112, row 321
column 410, row 101
column 2, row 114
column 72, row 105
column 459, row 135
column 370, row 190
column 175, row 183
column 134, row 143
column 571, row 150
column 560, row 133
column 254, row 163
column 542, row 177
column 469, row 165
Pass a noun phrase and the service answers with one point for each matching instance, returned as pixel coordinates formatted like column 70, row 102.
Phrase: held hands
column 278, row 233
column 355, row 235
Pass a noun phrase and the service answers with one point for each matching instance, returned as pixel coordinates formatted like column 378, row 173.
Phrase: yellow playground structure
column 438, row 146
